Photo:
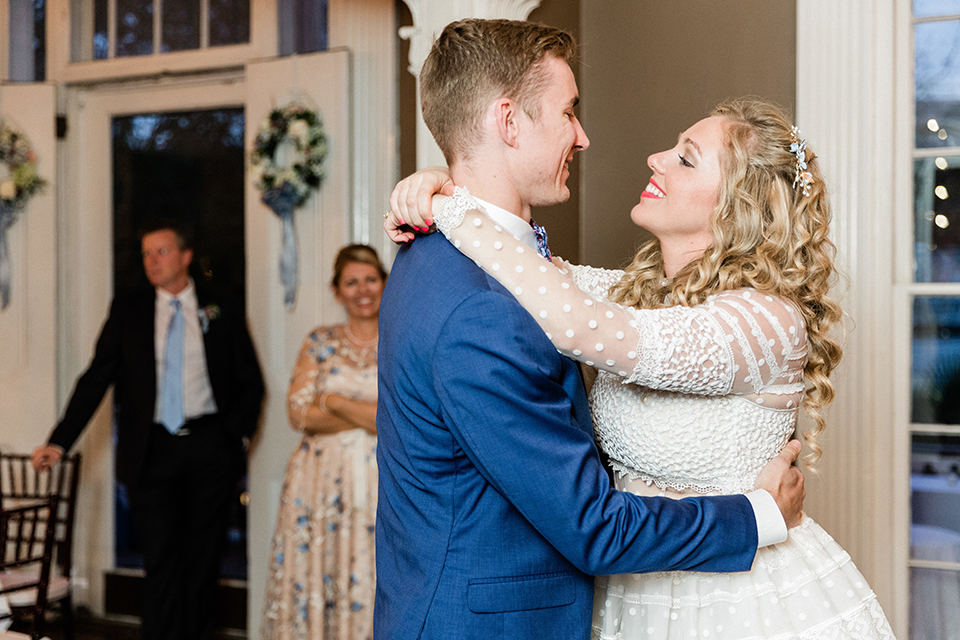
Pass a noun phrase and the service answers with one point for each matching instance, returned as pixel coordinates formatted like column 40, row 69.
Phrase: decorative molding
column 847, row 107
column 429, row 18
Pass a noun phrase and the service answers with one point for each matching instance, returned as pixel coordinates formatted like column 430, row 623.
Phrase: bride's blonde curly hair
column 767, row 235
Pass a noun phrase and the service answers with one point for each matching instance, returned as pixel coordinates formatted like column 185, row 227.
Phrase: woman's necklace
column 364, row 344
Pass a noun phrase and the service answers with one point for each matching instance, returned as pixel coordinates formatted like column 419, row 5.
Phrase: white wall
column 28, row 325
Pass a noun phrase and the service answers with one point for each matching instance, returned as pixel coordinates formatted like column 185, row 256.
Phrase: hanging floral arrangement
column 287, row 167
column 18, row 183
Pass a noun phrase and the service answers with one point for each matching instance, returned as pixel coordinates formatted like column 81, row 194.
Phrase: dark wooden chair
column 27, row 538
column 20, row 484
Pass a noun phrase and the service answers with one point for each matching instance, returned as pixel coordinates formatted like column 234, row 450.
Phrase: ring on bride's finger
column 387, row 214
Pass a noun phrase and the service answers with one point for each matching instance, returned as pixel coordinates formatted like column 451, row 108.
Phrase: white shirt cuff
column 771, row 529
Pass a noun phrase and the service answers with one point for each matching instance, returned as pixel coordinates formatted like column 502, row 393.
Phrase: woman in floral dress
column 321, row 578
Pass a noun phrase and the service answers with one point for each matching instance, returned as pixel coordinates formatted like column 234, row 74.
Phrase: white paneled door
column 321, row 82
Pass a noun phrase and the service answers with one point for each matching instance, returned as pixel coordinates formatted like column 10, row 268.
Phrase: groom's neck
column 492, row 185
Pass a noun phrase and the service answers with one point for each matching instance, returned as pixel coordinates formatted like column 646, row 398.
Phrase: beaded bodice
column 686, row 442
column 683, row 439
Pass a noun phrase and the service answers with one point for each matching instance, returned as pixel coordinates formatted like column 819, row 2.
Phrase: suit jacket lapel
column 145, row 326
column 209, row 343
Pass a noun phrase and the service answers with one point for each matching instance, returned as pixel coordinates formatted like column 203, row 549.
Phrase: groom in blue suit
column 494, row 509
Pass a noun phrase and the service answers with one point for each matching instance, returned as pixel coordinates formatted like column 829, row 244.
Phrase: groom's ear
column 506, row 115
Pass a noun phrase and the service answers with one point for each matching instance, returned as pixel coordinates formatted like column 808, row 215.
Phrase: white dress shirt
column 197, row 391
column 514, row 224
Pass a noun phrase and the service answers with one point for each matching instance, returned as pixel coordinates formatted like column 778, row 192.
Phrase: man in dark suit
column 188, row 393
column 494, row 510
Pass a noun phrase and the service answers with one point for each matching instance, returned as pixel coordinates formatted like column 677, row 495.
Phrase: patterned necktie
column 541, row 235
column 171, row 391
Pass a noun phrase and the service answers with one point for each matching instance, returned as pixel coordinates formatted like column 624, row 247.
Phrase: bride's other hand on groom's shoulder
column 785, row 483
column 410, row 203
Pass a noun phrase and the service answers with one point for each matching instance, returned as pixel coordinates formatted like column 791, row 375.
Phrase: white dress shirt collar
column 514, row 224
column 187, row 295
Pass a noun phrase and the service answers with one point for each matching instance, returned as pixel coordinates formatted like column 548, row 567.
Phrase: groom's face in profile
column 550, row 140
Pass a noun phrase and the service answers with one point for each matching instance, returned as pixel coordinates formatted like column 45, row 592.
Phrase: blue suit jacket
column 494, row 509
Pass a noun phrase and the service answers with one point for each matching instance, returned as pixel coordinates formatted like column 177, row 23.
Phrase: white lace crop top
column 688, row 397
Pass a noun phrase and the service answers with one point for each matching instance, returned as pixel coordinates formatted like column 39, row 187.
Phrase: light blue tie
column 171, row 391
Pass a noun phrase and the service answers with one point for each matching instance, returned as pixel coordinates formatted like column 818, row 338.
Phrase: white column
column 848, row 67
column 367, row 28
column 429, row 19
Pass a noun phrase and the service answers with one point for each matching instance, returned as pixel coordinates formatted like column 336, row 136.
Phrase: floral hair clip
column 799, row 148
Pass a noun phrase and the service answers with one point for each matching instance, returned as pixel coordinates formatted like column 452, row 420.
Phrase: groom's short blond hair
column 474, row 62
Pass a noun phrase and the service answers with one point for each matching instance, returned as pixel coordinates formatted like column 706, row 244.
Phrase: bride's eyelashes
column 684, row 161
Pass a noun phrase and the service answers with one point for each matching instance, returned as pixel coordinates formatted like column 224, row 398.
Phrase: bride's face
column 682, row 193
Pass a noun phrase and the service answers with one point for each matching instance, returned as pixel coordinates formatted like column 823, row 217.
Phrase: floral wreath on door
column 19, row 182
column 287, row 167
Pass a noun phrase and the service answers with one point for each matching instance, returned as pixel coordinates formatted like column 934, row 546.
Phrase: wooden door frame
column 86, row 277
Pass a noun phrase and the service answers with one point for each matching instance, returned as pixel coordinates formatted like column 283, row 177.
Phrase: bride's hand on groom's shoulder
column 784, row 482
column 410, row 203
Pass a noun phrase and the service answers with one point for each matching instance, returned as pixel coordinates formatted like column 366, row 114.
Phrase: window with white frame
column 935, row 347
column 96, row 40
column 106, row 29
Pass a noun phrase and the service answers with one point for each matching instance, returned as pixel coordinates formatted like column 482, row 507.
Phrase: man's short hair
column 474, row 62
column 182, row 232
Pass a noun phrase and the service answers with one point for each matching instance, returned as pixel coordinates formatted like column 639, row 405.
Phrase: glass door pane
column 134, row 28
column 927, row 8
column 103, row 29
column 188, row 166
column 937, row 77
column 935, row 537
column 181, row 25
column 937, row 218
column 935, row 376
column 934, row 614
column 229, row 22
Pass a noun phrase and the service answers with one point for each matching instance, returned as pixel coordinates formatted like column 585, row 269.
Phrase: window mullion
column 933, row 152
column 943, row 18
column 204, row 24
column 157, row 25
column 935, row 564
column 111, row 29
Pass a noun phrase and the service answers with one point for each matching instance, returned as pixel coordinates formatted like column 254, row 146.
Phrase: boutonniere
column 207, row 315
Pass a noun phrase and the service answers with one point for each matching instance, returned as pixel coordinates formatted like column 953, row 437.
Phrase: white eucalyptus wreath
column 289, row 149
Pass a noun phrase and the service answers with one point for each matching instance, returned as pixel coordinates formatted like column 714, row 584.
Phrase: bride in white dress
column 707, row 346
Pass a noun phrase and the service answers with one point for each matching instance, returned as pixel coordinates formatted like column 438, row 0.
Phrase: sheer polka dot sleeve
column 738, row 342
